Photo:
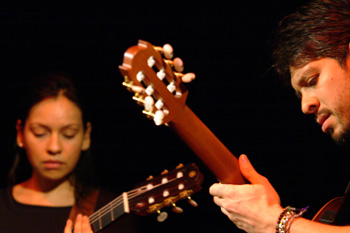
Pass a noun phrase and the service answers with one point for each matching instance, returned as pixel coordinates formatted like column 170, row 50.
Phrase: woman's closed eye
column 69, row 132
column 39, row 132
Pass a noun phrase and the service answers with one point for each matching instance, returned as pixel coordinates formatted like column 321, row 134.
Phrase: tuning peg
column 189, row 77
column 158, row 117
column 162, row 216
column 177, row 63
column 186, row 78
column 139, row 99
column 176, row 209
column 186, row 195
column 164, row 172
column 167, row 50
column 131, row 87
column 179, row 166
column 149, row 103
column 191, row 201
column 148, row 114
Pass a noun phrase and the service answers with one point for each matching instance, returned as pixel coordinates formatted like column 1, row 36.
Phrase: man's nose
column 309, row 104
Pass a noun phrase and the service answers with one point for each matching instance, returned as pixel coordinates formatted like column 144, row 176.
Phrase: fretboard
column 109, row 213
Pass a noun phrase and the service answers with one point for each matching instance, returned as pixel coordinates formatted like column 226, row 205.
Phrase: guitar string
column 119, row 200
column 131, row 194
column 117, row 203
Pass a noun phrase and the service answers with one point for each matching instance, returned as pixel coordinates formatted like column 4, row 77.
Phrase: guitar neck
column 108, row 213
column 207, row 147
column 150, row 196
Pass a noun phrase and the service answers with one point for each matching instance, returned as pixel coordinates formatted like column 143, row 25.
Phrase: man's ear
column 19, row 137
column 87, row 137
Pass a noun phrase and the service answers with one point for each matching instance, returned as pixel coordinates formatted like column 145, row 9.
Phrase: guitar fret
column 100, row 223
column 107, row 218
column 107, row 214
column 112, row 214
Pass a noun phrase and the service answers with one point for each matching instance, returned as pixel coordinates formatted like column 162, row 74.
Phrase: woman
column 53, row 137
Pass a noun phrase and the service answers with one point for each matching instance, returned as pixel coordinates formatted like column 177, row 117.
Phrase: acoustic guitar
column 151, row 196
column 157, row 82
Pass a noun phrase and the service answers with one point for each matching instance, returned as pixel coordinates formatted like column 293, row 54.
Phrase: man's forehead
column 305, row 70
column 296, row 73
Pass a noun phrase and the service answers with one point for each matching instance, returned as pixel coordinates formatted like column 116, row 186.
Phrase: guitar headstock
column 165, row 190
column 156, row 80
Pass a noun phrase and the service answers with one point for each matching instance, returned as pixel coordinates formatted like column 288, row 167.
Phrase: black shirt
column 16, row 217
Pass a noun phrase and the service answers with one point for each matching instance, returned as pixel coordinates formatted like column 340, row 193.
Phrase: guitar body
column 328, row 213
column 336, row 211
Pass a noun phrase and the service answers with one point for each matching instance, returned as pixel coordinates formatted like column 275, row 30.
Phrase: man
column 313, row 52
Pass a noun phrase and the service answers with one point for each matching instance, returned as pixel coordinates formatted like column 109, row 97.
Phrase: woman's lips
column 52, row 164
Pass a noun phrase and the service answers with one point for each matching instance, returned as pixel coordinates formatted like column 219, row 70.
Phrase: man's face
column 324, row 88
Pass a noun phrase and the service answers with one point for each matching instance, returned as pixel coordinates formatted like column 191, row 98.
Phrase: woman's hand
column 252, row 207
column 82, row 225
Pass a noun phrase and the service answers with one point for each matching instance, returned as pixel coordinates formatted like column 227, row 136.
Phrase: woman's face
column 53, row 138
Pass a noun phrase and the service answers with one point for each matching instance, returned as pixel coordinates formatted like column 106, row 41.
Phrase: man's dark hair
column 317, row 30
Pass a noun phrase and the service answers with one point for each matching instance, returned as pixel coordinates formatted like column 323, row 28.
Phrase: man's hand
column 252, row 207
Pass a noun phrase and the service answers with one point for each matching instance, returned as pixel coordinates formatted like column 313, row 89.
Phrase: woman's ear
column 87, row 137
column 19, row 138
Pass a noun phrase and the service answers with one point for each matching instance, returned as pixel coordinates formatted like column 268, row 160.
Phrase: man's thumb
column 248, row 170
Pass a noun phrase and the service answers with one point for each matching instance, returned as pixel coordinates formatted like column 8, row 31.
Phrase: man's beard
column 343, row 139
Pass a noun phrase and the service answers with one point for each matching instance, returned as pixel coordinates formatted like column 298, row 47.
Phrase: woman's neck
column 44, row 193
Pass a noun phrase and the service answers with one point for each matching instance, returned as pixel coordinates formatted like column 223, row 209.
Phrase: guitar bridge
column 328, row 217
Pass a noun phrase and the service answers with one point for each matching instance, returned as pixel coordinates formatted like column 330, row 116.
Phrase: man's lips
column 322, row 120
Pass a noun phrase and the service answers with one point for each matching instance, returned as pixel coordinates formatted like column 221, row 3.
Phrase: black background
column 227, row 45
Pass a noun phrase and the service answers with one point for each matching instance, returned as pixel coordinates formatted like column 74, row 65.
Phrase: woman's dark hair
column 317, row 30
column 50, row 86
